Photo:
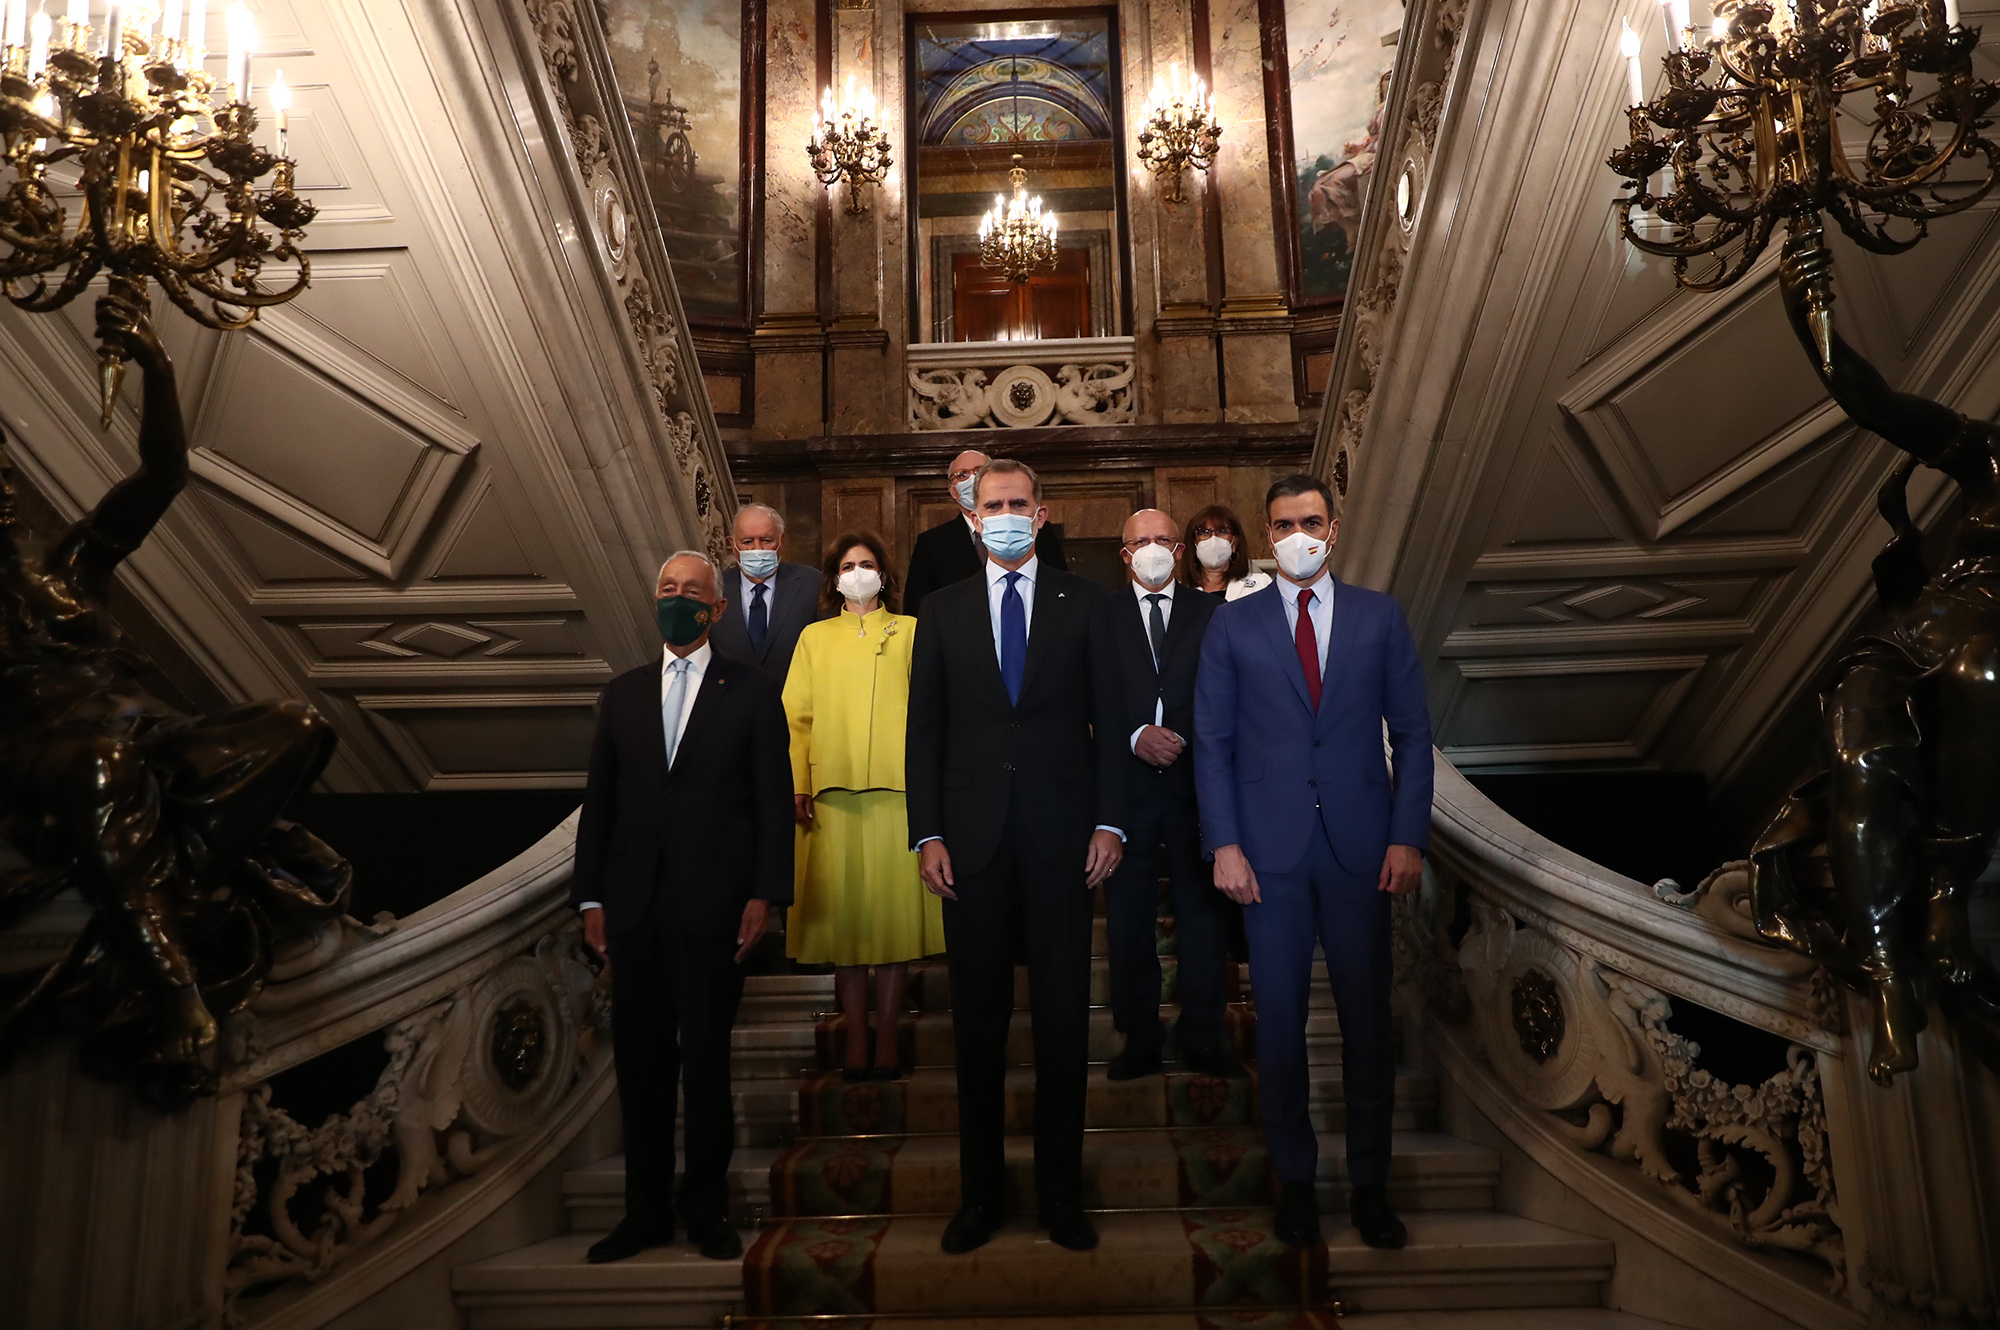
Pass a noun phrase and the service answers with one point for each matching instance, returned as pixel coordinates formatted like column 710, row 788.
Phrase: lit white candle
column 1951, row 13
column 197, row 32
column 1673, row 28
column 242, row 42
column 170, row 21
column 38, row 44
column 79, row 15
column 1718, row 29
column 17, row 23
column 281, row 103
column 1628, row 46
column 114, row 32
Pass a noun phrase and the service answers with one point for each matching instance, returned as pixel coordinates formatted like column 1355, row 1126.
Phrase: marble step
column 1530, row 1318
column 1122, row 1169
column 928, row 1101
column 930, row 983
column 1455, row 1259
column 1231, row 1318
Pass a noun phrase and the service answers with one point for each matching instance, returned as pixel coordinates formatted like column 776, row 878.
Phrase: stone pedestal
column 114, row 1217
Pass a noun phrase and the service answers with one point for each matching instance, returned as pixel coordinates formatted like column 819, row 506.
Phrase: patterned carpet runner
column 1176, row 1176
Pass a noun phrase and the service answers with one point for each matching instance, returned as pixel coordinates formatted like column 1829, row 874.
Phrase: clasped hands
column 756, row 915
column 934, row 863
column 1402, row 871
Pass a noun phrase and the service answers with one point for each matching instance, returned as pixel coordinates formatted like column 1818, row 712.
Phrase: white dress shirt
column 996, row 587
column 770, row 585
column 1140, row 590
column 697, row 669
column 1322, row 611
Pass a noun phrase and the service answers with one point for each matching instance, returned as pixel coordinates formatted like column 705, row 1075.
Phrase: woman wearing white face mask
column 859, row 901
column 1214, row 558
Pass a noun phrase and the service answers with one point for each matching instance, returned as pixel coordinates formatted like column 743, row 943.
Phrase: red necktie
column 1308, row 642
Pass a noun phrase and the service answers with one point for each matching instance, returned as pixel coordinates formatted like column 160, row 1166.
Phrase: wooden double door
column 986, row 307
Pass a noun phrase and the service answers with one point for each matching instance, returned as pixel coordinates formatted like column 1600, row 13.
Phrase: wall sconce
column 848, row 145
column 1178, row 129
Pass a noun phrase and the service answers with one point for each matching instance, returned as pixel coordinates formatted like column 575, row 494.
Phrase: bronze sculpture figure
column 1867, row 866
column 168, row 826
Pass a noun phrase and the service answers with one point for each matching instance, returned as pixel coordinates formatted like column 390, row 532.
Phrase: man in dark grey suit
column 770, row 601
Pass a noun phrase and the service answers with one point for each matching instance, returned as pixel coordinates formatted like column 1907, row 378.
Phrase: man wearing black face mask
column 684, row 845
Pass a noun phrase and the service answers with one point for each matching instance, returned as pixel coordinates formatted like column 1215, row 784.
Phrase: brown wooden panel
column 986, row 307
column 860, row 504
column 1183, row 491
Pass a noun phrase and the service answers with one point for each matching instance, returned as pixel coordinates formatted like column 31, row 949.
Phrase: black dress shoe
column 1213, row 1059
column 1298, row 1215
column 1068, row 1226
column 1375, row 1219
column 1140, row 1056
column 969, row 1229
column 628, row 1239
column 715, row 1239
column 855, row 1075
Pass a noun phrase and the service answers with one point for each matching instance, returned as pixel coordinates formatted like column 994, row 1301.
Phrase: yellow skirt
column 859, row 900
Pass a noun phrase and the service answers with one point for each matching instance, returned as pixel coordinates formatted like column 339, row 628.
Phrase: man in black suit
column 772, row 600
column 684, row 845
column 1015, row 809
column 950, row 551
column 1151, row 640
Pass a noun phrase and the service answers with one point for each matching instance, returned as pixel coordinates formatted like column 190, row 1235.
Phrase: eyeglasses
column 1143, row 541
column 957, row 476
column 1205, row 532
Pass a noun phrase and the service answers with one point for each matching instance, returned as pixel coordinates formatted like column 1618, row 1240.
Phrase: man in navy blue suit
column 1312, row 833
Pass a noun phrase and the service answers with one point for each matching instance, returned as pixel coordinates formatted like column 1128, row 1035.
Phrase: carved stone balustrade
column 1021, row 385
column 1590, row 1017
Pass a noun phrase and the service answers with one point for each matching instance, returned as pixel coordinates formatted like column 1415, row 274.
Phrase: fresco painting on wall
column 679, row 65
column 1339, row 77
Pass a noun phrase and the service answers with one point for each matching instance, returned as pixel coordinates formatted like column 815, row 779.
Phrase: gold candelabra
column 128, row 159
column 847, row 144
column 1178, row 130
column 1753, row 121
column 1015, row 236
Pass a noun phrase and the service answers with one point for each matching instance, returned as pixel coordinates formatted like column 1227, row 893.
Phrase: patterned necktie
column 1013, row 638
column 1308, row 644
column 1156, row 628
column 760, row 621
column 670, row 712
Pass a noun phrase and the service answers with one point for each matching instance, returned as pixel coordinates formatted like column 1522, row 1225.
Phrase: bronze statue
column 1867, row 866
column 167, row 825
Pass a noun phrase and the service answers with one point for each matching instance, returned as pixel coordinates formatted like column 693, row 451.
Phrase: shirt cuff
column 926, row 841
column 1114, row 831
column 1135, row 739
column 590, row 905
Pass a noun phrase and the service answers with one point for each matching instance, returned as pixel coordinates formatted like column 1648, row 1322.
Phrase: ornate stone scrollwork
column 465, row 1077
column 1021, row 396
column 1592, row 1047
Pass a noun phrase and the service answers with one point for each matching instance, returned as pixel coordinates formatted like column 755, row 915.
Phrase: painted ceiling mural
column 1339, row 65
column 1040, row 80
column 679, row 65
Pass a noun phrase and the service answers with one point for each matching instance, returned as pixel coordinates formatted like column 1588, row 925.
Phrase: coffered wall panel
column 429, row 494
column 1626, row 521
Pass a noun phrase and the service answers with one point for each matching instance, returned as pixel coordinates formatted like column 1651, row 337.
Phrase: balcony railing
column 1075, row 381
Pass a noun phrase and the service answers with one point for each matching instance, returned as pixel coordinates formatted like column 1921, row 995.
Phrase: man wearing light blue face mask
column 1016, row 802
column 770, row 601
column 951, row 551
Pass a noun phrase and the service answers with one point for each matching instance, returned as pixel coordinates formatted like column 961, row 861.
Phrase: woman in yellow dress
column 859, row 901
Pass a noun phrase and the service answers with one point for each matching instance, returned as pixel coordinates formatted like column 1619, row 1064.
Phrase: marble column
column 788, row 344
column 1255, row 319
column 857, row 339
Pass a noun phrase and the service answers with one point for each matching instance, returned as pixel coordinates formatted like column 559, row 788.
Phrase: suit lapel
column 707, row 701
column 982, row 633
column 1135, row 622
column 652, row 703
column 1179, row 624
column 1051, row 606
column 1339, row 641
column 1283, row 644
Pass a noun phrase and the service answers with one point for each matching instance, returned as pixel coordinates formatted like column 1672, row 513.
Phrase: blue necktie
column 670, row 712
column 760, row 621
column 1013, row 638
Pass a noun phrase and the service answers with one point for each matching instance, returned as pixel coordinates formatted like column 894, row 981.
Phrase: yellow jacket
column 847, row 698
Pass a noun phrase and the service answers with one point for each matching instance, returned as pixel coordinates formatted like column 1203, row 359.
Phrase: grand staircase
column 843, row 1189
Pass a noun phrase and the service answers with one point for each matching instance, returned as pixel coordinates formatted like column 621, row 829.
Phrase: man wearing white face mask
column 1016, row 805
column 950, row 551
column 1151, row 642
column 770, row 600
column 1313, row 833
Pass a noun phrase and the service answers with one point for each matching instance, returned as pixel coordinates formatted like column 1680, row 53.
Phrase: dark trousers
column 1350, row 919
column 1162, row 822
column 673, row 1001
column 1018, row 899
